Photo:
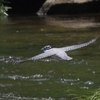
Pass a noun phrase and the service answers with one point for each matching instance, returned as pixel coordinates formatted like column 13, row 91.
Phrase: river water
column 22, row 37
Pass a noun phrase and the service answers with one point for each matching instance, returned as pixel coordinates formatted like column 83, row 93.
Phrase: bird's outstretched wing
column 73, row 47
column 37, row 57
column 42, row 55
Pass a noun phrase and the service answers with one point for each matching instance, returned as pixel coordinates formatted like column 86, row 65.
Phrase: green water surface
column 23, row 36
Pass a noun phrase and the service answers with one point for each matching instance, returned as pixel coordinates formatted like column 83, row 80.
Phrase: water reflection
column 73, row 22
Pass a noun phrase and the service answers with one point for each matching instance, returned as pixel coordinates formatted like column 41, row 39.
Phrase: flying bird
column 48, row 3
column 56, row 52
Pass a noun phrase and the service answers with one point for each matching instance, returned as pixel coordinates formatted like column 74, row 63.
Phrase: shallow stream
column 22, row 37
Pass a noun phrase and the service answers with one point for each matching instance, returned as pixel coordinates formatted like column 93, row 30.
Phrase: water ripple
column 14, row 97
column 36, row 77
column 6, row 85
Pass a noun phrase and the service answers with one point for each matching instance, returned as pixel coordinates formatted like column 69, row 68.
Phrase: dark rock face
column 32, row 6
column 25, row 6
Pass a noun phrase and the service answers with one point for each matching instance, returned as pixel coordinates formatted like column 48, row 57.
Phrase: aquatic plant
column 95, row 96
column 3, row 8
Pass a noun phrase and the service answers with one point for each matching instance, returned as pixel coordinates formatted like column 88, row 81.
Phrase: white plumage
column 58, row 52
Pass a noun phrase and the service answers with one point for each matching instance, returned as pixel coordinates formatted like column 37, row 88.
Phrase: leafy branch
column 3, row 8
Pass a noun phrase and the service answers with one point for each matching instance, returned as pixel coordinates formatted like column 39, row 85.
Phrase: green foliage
column 3, row 8
column 95, row 96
